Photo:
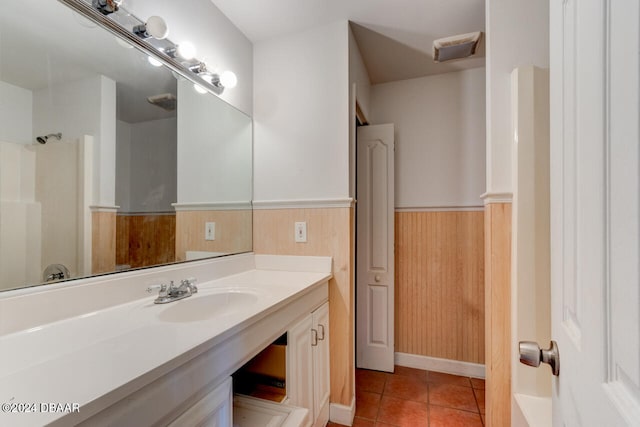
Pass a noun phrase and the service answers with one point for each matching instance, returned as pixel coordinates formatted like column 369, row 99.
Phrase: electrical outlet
column 209, row 231
column 301, row 232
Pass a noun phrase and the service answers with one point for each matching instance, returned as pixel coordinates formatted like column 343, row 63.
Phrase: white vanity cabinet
column 148, row 369
column 308, row 366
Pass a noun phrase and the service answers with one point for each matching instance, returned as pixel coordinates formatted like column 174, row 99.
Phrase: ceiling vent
column 455, row 47
column 166, row 101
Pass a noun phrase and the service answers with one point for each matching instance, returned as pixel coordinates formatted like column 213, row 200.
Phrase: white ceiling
column 395, row 37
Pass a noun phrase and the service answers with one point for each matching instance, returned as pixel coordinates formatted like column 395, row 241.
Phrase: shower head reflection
column 43, row 139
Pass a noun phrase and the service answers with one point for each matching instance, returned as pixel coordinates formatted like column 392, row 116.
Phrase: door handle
column 531, row 354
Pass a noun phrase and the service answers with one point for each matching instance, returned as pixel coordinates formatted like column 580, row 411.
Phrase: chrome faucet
column 174, row 293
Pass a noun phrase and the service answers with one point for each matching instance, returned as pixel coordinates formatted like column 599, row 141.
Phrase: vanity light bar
column 89, row 12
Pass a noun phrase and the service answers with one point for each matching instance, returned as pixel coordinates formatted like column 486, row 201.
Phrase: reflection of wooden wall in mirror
column 145, row 239
column 103, row 246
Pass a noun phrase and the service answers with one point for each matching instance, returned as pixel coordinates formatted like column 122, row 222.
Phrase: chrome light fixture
column 150, row 38
column 107, row 7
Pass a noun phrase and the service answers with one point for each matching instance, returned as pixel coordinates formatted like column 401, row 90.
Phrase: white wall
column 20, row 216
column 517, row 35
column 359, row 75
column 220, row 44
column 152, row 166
column 301, row 114
column 123, row 166
column 16, row 105
column 440, row 137
column 84, row 107
column 214, row 149
column 360, row 90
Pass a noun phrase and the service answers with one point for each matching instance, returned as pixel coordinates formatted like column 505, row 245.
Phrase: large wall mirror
column 107, row 161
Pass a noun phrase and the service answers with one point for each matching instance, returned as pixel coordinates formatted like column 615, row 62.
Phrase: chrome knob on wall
column 531, row 354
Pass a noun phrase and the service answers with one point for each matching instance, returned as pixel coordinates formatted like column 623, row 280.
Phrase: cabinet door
column 321, row 365
column 300, row 367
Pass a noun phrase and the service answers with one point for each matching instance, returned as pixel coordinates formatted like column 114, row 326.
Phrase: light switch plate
column 301, row 232
column 209, row 231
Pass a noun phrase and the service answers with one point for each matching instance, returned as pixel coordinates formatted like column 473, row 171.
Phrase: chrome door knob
column 531, row 354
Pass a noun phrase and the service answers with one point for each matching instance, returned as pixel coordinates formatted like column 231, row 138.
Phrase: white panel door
column 595, row 211
column 375, row 239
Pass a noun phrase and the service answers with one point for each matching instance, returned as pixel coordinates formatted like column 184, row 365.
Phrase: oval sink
column 203, row 307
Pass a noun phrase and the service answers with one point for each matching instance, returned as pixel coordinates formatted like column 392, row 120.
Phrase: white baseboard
column 342, row 414
column 455, row 367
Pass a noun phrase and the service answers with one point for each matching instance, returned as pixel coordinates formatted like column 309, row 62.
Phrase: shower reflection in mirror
column 43, row 139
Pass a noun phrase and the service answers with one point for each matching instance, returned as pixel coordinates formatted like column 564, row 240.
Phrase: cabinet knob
column 314, row 338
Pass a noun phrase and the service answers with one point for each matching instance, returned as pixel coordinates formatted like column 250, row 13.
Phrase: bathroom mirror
column 108, row 162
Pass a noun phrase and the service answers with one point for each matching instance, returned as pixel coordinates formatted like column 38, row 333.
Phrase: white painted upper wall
column 517, row 35
column 213, row 150
column 301, row 114
column 146, row 174
column 84, row 107
column 123, row 166
column 16, row 105
column 220, row 43
column 440, row 137
column 358, row 77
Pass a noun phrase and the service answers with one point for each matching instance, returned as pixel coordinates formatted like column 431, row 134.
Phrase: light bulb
column 153, row 61
column 199, row 88
column 228, row 79
column 186, row 50
column 157, row 28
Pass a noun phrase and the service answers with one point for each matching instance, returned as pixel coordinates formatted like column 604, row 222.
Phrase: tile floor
column 414, row 398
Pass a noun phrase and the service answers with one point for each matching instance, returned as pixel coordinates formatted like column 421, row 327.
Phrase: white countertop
column 81, row 359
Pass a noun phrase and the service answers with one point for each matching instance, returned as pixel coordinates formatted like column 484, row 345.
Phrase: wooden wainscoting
column 122, row 239
column 103, row 242
column 232, row 231
column 145, row 239
column 329, row 233
column 439, row 285
column 498, row 308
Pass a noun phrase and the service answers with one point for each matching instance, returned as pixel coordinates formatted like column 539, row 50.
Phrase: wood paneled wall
column 439, row 282
column 498, row 313
column 233, row 231
column 103, row 242
column 144, row 240
column 329, row 233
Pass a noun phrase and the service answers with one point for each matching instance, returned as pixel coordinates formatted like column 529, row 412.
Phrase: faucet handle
column 190, row 282
column 161, row 287
column 172, row 288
